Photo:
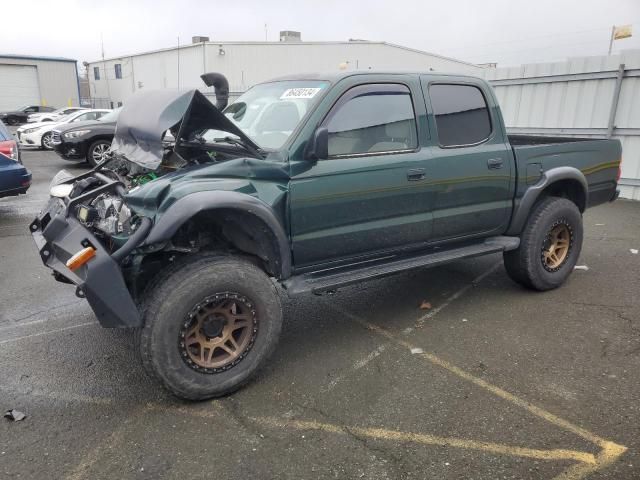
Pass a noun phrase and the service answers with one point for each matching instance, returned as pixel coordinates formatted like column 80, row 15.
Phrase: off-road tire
column 166, row 307
column 90, row 151
column 526, row 264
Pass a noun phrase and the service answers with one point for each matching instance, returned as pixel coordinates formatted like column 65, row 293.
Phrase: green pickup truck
column 311, row 182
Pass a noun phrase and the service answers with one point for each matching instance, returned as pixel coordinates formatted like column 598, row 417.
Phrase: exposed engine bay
column 158, row 133
column 104, row 210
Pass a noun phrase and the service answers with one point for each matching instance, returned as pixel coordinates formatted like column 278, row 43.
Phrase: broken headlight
column 58, row 187
column 108, row 214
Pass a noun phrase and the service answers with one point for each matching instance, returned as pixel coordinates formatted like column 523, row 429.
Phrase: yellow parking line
column 609, row 454
column 115, row 439
column 426, row 439
column 610, row 451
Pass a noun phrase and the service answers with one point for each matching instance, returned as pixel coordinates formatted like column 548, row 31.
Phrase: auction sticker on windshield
column 299, row 93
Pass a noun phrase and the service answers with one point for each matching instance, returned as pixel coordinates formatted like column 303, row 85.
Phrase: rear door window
column 461, row 113
column 370, row 119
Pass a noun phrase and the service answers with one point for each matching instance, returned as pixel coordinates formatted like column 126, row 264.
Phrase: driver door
column 371, row 194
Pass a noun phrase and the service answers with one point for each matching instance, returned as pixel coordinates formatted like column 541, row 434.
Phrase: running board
column 325, row 280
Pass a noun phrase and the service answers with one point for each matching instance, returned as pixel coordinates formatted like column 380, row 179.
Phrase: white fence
column 595, row 97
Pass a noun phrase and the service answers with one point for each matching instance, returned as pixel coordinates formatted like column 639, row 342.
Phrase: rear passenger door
column 471, row 167
column 370, row 194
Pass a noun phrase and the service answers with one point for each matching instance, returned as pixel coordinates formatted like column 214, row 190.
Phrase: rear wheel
column 98, row 152
column 46, row 141
column 209, row 325
column 550, row 245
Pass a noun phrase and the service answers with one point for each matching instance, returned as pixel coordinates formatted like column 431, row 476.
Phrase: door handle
column 415, row 174
column 494, row 163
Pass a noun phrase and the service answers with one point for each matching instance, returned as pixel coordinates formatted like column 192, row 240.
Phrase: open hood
column 148, row 115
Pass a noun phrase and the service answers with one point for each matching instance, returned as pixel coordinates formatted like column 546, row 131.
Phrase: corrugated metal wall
column 575, row 98
column 58, row 80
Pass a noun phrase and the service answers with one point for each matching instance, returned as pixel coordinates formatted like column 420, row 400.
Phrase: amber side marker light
column 80, row 258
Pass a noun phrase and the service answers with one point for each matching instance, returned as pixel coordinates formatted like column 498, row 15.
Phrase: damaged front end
column 90, row 230
column 78, row 246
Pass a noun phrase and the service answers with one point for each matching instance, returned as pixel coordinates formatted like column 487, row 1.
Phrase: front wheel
column 13, row 121
column 209, row 325
column 46, row 141
column 98, row 152
column 550, row 245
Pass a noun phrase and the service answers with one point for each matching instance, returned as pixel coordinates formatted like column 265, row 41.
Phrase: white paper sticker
column 299, row 93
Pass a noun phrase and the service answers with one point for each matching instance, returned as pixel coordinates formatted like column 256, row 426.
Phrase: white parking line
column 432, row 313
column 419, row 323
column 17, row 339
column 355, row 367
column 20, row 324
column 53, row 395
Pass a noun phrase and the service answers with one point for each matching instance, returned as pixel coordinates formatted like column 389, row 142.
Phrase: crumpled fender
column 186, row 207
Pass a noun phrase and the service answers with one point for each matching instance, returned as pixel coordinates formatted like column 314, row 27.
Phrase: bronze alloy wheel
column 218, row 332
column 556, row 247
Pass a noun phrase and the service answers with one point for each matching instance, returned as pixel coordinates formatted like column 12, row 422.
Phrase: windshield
column 112, row 116
column 269, row 113
column 65, row 118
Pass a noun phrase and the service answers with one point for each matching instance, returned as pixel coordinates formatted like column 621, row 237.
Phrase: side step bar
column 324, row 280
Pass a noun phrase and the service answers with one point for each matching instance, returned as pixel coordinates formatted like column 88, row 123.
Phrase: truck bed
column 597, row 159
column 523, row 140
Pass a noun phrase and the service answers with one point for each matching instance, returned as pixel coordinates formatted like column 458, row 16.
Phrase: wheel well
column 569, row 189
column 100, row 139
column 234, row 231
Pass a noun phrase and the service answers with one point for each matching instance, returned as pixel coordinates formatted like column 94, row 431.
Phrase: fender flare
column 523, row 207
column 186, row 207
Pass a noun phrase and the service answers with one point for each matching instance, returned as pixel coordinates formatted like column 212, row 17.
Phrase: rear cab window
column 372, row 119
column 461, row 114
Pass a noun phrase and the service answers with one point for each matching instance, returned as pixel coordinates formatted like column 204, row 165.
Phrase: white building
column 247, row 63
column 26, row 80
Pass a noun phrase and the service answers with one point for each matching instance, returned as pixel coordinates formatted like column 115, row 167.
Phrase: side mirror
column 319, row 148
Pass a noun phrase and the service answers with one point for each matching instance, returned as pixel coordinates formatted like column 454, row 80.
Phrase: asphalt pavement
column 486, row 381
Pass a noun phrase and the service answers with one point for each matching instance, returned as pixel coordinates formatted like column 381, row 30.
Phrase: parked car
column 20, row 115
column 51, row 116
column 89, row 141
column 314, row 182
column 14, row 176
column 40, row 134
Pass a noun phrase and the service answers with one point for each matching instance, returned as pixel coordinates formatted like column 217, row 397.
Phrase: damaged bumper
column 58, row 237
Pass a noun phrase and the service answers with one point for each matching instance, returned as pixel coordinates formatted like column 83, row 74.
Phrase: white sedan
column 52, row 116
column 39, row 134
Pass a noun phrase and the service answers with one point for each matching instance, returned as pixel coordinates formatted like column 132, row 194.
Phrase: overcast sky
column 505, row 31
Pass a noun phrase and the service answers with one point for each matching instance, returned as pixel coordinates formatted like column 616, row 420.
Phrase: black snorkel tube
column 221, row 87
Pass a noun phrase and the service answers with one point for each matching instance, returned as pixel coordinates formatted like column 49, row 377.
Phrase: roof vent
column 290, row 36
column 199, row 39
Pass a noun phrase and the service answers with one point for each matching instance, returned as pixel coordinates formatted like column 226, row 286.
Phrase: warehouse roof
column 351, row 42
column 30, row 57
column 337, row 76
